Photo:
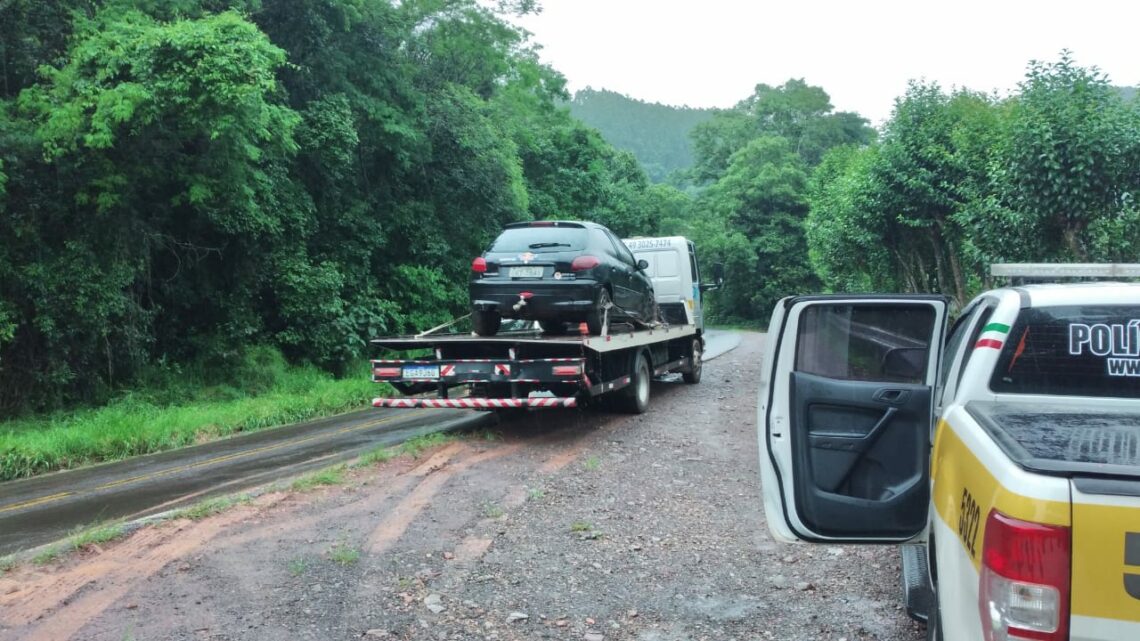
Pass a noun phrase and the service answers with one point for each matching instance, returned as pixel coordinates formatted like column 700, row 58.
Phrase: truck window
column 1072, row 351
column 865, row 342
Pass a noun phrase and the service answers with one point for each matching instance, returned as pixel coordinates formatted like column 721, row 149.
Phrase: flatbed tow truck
column 529, row 369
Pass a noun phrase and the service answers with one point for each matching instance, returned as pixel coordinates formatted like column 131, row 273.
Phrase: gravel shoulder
column 571, row 525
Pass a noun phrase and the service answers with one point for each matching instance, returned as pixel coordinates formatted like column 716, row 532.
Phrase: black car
column 558, row 272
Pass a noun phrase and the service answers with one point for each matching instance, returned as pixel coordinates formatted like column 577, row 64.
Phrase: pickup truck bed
column 1064, row 441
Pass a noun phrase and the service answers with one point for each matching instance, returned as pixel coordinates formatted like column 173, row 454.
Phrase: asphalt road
column 47, row 508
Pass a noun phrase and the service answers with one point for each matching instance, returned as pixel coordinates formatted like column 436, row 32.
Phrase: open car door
column 845, row 416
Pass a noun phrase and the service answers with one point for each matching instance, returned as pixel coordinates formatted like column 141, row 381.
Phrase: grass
column 492, row 511
column 212, row 506
column 264, row 392
column 535, row 493
column 298, row 565
column 96, row 535
column 7, row 564
column 592, row 463
column 580, row 526
column 47, row 555
column 376, row 456
column 416, row 446
column 328, row 476
column 343, row 554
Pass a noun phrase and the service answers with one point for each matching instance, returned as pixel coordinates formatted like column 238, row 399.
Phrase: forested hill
column 180, row 181
column 658, row 135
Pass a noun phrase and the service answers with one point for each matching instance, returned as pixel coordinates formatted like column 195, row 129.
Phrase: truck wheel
column 597, row 316
column 635, row 397
column 486, row 323
column 693, row 376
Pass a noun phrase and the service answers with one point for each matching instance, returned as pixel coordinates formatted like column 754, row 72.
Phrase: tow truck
column 1006, row 458
column 525, row 368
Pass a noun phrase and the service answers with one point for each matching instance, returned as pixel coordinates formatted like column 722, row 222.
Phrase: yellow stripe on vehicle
column 965, row 491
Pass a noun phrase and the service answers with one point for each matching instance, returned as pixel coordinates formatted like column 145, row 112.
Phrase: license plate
column 421, row 371
column 526, row 272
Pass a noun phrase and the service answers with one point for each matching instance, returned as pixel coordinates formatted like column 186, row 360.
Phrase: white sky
column 711, row 53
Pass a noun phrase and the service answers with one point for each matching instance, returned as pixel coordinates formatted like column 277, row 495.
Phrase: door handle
column 891, row 395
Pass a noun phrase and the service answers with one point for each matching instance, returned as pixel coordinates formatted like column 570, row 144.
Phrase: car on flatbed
column 559, row 273
column 1006, row 457
column 529, row 368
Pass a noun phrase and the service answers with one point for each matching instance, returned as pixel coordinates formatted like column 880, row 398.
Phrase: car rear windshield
column 540, row 239
column 1069, row 351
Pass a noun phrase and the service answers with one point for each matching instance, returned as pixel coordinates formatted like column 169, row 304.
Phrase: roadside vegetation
column 180, row 408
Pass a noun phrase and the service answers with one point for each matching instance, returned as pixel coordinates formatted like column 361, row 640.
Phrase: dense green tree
column 181, row 180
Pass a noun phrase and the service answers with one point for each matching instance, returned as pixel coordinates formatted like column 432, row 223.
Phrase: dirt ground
column 570, row 525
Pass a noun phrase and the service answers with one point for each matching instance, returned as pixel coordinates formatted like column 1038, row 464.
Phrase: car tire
column 554, row 328
column 635, row 397
column 486, row 323
column 597, row 316
column 696, row 351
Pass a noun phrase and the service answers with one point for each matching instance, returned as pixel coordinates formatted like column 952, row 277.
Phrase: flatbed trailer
column 530, row 369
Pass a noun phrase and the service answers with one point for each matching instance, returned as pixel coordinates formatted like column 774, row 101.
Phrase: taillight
column 479, row 265
column 582, row 263
column 1024, row 588
column 567, row 370
column 386, row 372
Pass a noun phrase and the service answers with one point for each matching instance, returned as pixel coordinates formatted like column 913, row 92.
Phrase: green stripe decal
column 996, row 327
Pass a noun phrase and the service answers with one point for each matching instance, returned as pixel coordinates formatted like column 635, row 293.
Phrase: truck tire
column 696, row 351
column 635, row 397
column 596, row 317
column 486, row 323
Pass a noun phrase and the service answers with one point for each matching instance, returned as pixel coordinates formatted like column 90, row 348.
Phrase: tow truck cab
column 676, row 277
column 1007, row 450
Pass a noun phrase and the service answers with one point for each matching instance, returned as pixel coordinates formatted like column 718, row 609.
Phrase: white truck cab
column 1006, row 451
column 676, row 276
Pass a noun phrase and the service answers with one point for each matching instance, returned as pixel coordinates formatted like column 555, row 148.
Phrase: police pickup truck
column 1005, row 451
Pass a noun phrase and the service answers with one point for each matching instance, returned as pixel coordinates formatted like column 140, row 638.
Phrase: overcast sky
column 711, row 53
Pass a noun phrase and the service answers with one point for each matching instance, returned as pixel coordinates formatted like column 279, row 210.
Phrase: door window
column 865, row 342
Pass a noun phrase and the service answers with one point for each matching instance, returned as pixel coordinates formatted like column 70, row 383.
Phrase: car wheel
column 554, row 328
column 597, row 316
column 635, row 397
column 693, row 376
column 486, row 323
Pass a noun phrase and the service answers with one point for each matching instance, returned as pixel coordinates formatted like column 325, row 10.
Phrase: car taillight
column 479, row 265
column 567, row 370
column 1024, row 585
column 543, row 223
column 386, row 372
column 582, row 263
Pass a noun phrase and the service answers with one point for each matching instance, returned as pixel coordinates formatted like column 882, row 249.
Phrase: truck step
column 917, row 593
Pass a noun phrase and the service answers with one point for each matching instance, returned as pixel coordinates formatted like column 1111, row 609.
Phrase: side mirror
column 642, row 264
column 718, row 278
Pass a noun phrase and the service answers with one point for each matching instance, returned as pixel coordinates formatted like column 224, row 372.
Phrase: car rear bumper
column 547, row 300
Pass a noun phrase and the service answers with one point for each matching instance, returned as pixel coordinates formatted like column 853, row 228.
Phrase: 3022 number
column 969, row 514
